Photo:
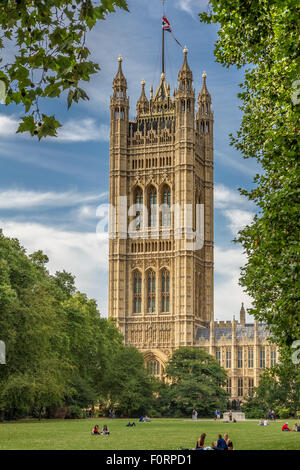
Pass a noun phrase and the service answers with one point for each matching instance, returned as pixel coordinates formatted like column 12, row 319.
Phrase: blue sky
column 50, row 190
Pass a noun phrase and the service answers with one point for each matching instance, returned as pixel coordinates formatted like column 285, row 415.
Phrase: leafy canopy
column 48, row 38
column 264, row 36
column 196, row 381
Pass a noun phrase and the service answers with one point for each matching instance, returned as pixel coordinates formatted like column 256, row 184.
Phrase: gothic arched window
column 165, row 291
column 166, row 212
column 152, row 208
column 138, row 200
column 150, row 291
column 137, row 292
column 153, row 367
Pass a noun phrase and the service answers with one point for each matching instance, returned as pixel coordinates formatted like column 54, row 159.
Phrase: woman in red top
column 285, row 427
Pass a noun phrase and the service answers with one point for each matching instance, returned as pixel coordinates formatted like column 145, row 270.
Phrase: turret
column 142, row 105
column 185, row 95
column 119, row 103
column 242, row 315
column 204, row 114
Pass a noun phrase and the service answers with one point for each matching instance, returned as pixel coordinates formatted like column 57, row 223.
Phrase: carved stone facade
column 161, row 169
column 242, row 349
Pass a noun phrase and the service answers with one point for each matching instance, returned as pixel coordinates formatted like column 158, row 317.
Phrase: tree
column 129, row 388
column 197, row 382
column 58, row 349
column 265, row 36
column 279, row 388
column 51, row 55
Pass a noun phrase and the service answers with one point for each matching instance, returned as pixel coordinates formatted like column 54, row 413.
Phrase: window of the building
column 218, row 355
column 228, row 359
column 139, row 208
column 250, row 359
column 240, row 387
column 273, row 357
column 152, row 209
column 153, row 367
column 165, row 290
column 166, row 209
column 250, row 385
column 240, row 358
column 262, row 358
column 137, row 292
column 228, row 385
column 150, row 291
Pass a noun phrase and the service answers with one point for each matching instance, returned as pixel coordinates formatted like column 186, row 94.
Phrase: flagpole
column 163, row 46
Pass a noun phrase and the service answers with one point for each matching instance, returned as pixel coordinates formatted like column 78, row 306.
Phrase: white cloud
column 192, row 7
column 226, row 197
column 84, row 130
column 8, row 125
column 21, row 199
column 80, row 130
column 84, row 254
column 228, row 294
column 234, row 207
column 238, row 219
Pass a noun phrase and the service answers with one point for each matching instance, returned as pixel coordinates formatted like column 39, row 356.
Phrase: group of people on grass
column 104, row 432
column 285, row 427
column 222, row 443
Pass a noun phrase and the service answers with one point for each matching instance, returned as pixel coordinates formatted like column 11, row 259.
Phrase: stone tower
column 161, row 179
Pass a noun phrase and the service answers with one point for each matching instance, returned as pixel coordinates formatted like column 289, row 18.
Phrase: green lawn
column 160, row 434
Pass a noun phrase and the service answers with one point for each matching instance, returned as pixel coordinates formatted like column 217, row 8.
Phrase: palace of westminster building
column 161, row 290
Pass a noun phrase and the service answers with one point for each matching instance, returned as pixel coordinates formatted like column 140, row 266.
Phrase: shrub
column 255, row 413
column 75, row 412
column 284, row 413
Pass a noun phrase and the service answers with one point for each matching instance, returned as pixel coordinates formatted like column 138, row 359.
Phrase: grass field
column 160, row 434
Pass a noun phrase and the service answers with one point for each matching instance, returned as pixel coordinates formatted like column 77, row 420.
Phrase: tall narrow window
column 240, row 358
column 152, row 210
column 150, row 291
column 273, row 357
column 250, row 358
column 166, row 210
column 250, row 386
column 262, row 358
column 139, row 208
column 165, row 291
column 218, row 355
column 137, row 292
column 228, row 385
column 240, row 387
column 228, row 359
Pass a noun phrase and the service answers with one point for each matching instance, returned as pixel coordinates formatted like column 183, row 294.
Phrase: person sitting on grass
column 266, row 422
column 96, row 430
column 105, row 430
column 130, row 424
column 285, row 427
column 147, row 419
column 141, row 419
column 296, row 428
column 220, row 444
column 200, row 442
column 228, row 442
column 261, row 423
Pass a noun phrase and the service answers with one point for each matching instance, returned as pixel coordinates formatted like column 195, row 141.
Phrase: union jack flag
column 167, row 27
